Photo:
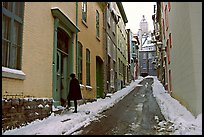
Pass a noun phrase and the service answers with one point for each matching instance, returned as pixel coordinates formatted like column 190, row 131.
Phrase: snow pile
column 179, row 120
column 68, row 122
column 184, row 122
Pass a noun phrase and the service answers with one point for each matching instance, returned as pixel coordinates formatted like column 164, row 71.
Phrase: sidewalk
column 68, row 122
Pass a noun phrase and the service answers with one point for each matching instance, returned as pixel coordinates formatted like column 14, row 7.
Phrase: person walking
column 74, row 91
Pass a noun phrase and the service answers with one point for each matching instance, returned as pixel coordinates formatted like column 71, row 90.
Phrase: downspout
column 77, row 63
column 54, row 65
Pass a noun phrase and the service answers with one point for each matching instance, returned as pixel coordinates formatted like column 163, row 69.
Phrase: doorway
column 62, row 65
column 99, row 77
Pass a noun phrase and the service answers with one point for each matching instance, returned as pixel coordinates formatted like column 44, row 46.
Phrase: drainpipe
column 77, row 63
column 54, row 65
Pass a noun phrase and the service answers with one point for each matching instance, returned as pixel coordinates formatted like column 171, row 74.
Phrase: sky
column 134, row 12
column 184, row 123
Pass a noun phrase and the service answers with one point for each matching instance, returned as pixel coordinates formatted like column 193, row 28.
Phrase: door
column 99, row 77
column 62, row 66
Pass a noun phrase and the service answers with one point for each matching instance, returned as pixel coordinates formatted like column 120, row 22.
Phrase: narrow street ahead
column 136, row 114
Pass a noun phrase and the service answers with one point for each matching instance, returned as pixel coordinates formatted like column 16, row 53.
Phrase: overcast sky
column 134, row 12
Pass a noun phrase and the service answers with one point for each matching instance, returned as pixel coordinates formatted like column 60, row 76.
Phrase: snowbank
column 184, row 122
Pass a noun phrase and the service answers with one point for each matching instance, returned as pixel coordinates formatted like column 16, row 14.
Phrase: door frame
column 62, row 21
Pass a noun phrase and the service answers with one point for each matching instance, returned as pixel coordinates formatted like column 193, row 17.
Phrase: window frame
column 15, row 35
column 170, row 81
column 163, row 28
column 166, row 18
column 88, row 64
column 113, row 27
column 80, row 62
column 169, row 6
column 170, row 40
column 168, row 51
column 97, row 24
column 108, row 18
column 84, row 11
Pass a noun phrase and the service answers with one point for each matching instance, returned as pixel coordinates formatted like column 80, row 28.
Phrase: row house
column 130, row 69
column 42, row 44
column 121, row 50
column 147, row 49
column 157, row 39
column 38, row 48
column 116, row 47
column 133, row 56
column 179, row 27
column 90, row 55
column 111, row 21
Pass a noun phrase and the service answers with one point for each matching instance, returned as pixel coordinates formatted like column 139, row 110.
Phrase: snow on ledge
column 12, row 73
column 89, row 87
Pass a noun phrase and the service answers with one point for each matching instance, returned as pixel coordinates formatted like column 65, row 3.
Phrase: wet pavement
column 136, row 114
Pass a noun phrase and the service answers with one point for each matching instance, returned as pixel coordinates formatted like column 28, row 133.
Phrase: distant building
column 147, row 56
column 144, row 25
column 147, row 50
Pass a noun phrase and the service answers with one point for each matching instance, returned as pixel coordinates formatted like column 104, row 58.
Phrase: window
column 88, row 82
column 108, row 18
column 166, row 18
column 84, row 11
column 12, row 25
column 168, row 50
column 114, row 53
column 170, row 40
column 163, row 28
column 162, row 6
column 144, row 55
column 80, row 62
column 97, row 23
column 119, row 65
column 170, row 83
column 150, row 65
column 144, row 65
column 169, row 6
column 108, row 71
column 113, row 27
column 149, row 55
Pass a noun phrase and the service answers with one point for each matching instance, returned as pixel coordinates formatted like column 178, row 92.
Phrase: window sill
column 89, row 88
column 13, row 73
column 85, row 24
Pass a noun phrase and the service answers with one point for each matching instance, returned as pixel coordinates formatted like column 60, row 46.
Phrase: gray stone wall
column 18, row 112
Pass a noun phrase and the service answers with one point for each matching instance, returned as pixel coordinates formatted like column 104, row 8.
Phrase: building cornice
column 122, row 12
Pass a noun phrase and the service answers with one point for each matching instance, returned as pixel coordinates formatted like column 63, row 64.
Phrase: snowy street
column 136, row 114
column 149, row 112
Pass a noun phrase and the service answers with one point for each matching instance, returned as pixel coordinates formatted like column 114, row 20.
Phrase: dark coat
column 74, row 90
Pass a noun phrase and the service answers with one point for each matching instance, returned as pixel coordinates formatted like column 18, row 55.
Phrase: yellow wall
column 87, row 37
column 37, row 49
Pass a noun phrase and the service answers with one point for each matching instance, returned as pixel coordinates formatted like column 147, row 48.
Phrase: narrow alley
column 137, row 114
column 136, row 68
